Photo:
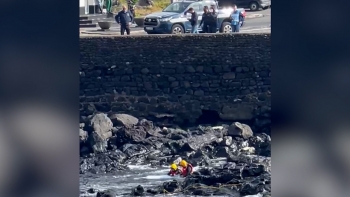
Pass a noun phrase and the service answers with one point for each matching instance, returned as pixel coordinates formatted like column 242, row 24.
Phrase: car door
column 198, row 7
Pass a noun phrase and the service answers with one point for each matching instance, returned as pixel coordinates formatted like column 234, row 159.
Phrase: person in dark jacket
column 193, row 20
column 124, row 18
column 213, row 19
column 205, row 20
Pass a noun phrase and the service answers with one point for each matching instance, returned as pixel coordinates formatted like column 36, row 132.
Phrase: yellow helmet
column 173, row 166
column 183, row 163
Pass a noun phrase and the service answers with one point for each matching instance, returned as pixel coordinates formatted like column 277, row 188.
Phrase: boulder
column 125, row 120
column 137, row 191
column 102, row 127
column 171, row 186
column 192, row 143
column 107, row 193
column 130, row 135
column 239, row 129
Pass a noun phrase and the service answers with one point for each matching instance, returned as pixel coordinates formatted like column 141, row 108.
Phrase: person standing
column 213, row 20
column 193, row 20
column 124, row 18
column 236, row 16
column 205, row 20
column 109, row 6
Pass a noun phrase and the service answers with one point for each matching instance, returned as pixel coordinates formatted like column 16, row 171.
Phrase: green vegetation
column 158, row 5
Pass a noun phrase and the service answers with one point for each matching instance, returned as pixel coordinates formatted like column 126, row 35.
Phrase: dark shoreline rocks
column 108, row 146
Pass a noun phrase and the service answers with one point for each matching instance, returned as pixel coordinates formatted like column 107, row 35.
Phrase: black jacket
column 213, row 18
column 124, row 18
column 205, row 18
column 194, row 19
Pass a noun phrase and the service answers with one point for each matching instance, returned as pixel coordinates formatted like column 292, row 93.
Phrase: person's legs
column 122, row 29
column 108, row 6
column 213, row 29
column 194, row 29
column 127, row 28
column 233, row 28
column 238, row 27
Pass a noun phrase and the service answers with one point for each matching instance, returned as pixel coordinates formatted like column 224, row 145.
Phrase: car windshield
column 177, row 7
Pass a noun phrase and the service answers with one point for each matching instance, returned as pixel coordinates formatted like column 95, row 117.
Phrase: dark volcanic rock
column 107, row 193
column 132, row 150
column 262, row 144
column 192, row 143
column 137, row 191
column 125, row 120
column 223, row 151
column 130, row 135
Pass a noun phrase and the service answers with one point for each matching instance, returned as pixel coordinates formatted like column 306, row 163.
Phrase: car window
column 197, row 6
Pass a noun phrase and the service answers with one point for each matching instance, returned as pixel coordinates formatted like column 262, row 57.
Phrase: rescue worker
column 174, row 170
column 205, row 20
column 187, row 168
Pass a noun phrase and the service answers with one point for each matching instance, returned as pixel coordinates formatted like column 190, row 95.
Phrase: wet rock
column 262, row 144
column 125, row 120
column 253, row 171
column 91, row 191
column 248, row 150
column 102, row 127
column 132, row 150
column 222, row 151
column 130, row 135
column 226, row 141
column 251, row 189
column 171, row 186
column 117, row 156
column 107, row 193
column 137, row 191
column 239, row 129
column 193, row 143
column 177, row 134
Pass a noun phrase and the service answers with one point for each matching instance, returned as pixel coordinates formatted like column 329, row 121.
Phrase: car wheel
column 226, row 28
column 254, row 6
column 177, row 29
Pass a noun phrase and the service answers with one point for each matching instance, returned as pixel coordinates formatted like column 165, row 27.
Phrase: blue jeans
column 235, row 28
column 194, row 29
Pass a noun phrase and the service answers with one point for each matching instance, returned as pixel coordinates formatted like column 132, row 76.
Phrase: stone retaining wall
column 176, row 76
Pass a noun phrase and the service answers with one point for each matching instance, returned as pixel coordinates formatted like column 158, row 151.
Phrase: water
column 123, row 182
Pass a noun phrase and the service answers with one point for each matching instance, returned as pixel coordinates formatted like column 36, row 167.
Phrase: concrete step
column 85, row 22
column 83, row 17
column 87, row 25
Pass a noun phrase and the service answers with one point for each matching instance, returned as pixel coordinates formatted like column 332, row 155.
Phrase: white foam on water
column 160, row 177
column 140, row 167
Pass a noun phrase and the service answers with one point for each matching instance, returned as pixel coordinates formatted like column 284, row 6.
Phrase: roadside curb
column 250, row 16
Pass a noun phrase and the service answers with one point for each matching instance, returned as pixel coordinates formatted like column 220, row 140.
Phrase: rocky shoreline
column 108, row 143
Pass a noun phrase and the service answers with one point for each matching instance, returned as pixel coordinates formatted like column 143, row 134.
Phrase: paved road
column 255, row 25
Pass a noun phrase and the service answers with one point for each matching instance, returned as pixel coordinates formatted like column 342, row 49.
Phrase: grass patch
column 158, row 5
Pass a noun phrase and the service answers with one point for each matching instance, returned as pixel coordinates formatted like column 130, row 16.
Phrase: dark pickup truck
column 172, row 20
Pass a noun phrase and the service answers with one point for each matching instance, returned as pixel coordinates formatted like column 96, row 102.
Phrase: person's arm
column 203, row 18
column 117, row 18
